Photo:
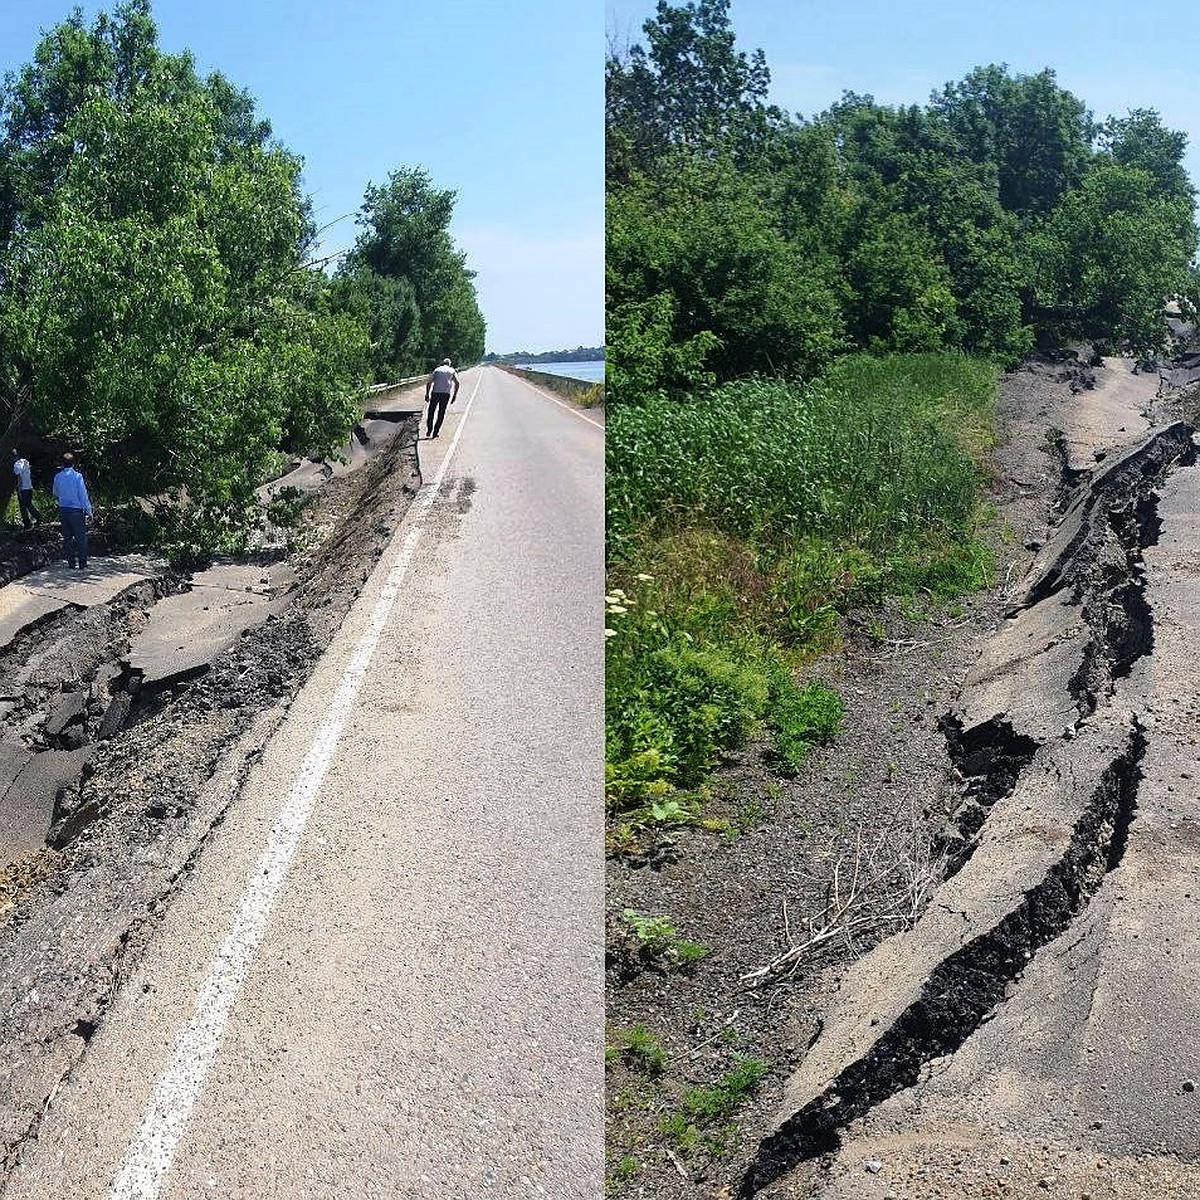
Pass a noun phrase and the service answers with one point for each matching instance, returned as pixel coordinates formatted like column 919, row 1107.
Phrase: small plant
column 748, row 813
column 705, row 1110
column 657, row 939
column 654, row 932
column 686, row 953
column 682, row 1132
column 804, row 717
column 626, row 1169
column 722, row 1099
column 642, row 1050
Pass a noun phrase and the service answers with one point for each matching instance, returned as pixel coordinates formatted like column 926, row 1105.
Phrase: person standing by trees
column 438, row 395
column 22, row 471
column 74, row 511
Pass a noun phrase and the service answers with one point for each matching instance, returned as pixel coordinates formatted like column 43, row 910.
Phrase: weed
column 750, row 813
column 722, row 1099
column 804, row 717
column 681, row 1131
column 733, row 559
column 705, row 1110
column 658, row 939
column 654, row 932
column 687, row 954
column 642, row 1050
column 626, row 1169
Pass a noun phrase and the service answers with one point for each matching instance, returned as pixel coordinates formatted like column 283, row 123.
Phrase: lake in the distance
column 593, row 372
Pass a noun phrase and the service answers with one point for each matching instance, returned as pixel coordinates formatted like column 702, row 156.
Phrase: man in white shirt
column 438, row 395
column 24, row 474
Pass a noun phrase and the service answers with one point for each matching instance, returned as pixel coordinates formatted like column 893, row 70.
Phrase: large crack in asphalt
column 1092, row 564
column 1097, row 562
column 162, row 764
column 969, row 984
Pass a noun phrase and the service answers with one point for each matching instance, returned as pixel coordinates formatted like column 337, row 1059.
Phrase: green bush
column 766, row 510
column 880, row 450
column 674, row 704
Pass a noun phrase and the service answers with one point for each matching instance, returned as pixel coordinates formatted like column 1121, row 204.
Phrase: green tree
column 153, row 302
column 696, row 232
column 405, row 235
column 1034, row 134
column 902, row 298
column 1141, row 140
column 1108, row 256
column 688, row 87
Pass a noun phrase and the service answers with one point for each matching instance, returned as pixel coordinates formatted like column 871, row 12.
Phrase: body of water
column 593, row 372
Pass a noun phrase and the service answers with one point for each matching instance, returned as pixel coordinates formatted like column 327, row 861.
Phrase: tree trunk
column 9, row 438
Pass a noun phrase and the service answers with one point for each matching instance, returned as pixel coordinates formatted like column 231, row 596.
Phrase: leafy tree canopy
column 997, row 216
column 406, row 277
column 154, row 309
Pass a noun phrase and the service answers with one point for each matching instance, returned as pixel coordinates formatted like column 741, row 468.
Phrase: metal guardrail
column 387, row 387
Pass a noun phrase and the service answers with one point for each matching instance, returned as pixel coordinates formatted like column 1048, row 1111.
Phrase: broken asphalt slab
column 188, row 630
column 96, row 583
column 1048, row 997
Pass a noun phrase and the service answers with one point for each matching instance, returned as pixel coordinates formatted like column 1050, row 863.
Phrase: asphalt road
column 394, row 989
column 1034, row 1032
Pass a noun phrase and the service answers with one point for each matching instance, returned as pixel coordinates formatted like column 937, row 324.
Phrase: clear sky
column 503, row 103
column 1112, row 54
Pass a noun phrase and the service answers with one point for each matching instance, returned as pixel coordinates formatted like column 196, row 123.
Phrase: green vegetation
column 658, row 938
column 805, row 323
column 406, row 282
column 641, row 1049
column 705, row 1110
column 158, row 307
column 998, row 216
column 735, row 554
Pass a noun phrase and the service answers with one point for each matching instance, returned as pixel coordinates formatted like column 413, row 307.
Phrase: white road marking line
column 148, row 1158
column 546, row 396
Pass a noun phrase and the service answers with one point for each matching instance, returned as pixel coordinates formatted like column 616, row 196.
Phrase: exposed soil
column 159, row 768
column 899, row 791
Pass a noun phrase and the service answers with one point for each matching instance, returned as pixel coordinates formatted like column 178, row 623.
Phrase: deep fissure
column 990, row 757
column 1111, row 592
column 969, row 984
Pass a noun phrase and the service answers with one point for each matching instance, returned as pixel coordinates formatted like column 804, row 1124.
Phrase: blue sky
column 1110, row 53
column 502, row 103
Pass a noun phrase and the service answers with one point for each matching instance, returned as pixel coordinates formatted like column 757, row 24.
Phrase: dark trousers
column 437, row 408
column 28, row 512
column 74, row 531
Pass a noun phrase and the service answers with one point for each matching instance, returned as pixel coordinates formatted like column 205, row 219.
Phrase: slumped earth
column 1032, row 1030
column 132, row 701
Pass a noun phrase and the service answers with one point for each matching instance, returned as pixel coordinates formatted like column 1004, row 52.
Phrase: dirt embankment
column 147, row 758
column 813, row 872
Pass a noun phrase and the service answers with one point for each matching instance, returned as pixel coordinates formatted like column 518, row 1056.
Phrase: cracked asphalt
column 1034, row 1033
column 423, row 1016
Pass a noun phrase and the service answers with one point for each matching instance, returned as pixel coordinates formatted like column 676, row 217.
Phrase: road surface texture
column 381, row 975
column 1035, row 1032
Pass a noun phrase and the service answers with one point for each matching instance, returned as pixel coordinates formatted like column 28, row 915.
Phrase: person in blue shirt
column 74, row 512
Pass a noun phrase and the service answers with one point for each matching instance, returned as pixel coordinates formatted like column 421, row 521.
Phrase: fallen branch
column 879, row 898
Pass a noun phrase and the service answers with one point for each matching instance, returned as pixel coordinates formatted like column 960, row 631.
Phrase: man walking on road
column 438, row 395
column 74, row 511
column 21, row 470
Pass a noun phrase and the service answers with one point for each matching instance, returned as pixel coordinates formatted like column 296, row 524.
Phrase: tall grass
column 876, row 451
column 743, row 522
